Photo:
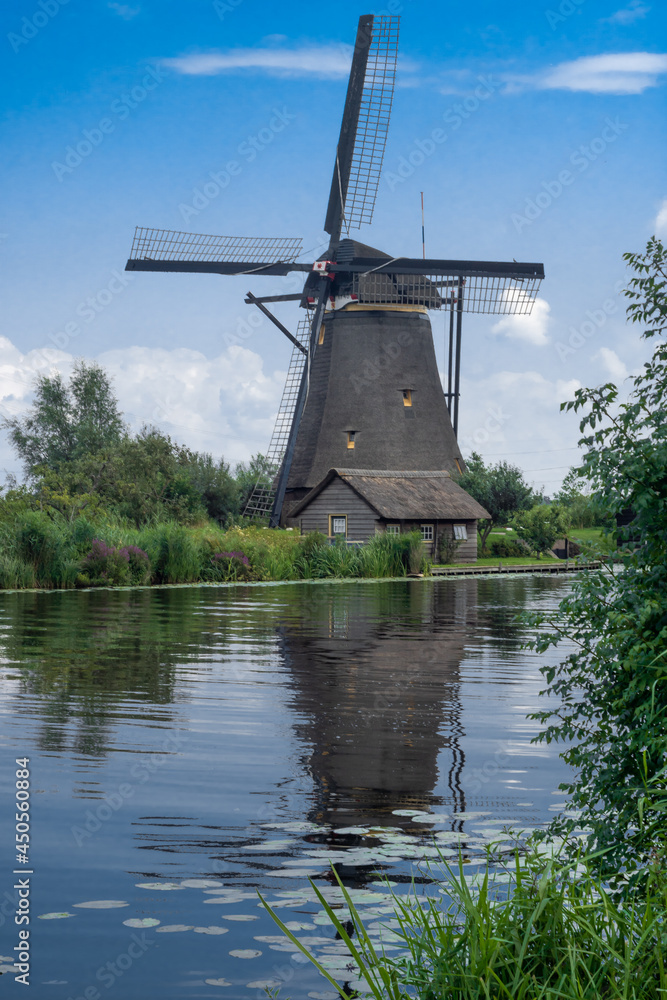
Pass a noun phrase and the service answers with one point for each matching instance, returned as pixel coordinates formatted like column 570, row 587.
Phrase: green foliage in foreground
column 610, row 695
column 38, row 549
column 552, row 933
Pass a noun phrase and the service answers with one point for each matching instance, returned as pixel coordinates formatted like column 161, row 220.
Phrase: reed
column 42, row 550
column 551, row 933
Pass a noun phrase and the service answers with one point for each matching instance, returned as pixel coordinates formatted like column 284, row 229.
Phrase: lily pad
column 161, row 886
column 299, row 925
column 295, row 873
column 174, row 928
column 211, row 930
column 323, row 995
column 217, row 982
column 101, row 904
column 55, row 916
column 432, row 818
column 407, row 812
column 141, row 922
column 199, row 883
column 245, row 953
column 239, row 916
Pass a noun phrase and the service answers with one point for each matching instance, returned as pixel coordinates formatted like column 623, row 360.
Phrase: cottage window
column 350, row 439
column 407, row 397
column 338, row 525
column 427, row 532
column 393, row 529
column 460, row 532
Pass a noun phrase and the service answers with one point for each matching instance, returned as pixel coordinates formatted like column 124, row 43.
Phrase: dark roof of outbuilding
column 404, row 495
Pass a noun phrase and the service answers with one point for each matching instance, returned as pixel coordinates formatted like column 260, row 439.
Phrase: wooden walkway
column 562, row 566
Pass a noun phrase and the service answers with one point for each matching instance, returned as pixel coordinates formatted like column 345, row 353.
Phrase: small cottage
column 354, row 504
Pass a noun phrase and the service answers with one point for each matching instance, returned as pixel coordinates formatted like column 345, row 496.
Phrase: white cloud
column 532, row 328
column 612, row 364
column 660, row 224
column 225, row 405
column 618, row 73
column 329, row 61
column 124, row 10
column 515, row 416
column 626, row 15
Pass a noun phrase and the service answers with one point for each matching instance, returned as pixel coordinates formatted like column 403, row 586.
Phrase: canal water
column 189, row 746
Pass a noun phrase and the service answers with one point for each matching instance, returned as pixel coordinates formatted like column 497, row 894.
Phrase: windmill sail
column 260, row 502
column 363, row 131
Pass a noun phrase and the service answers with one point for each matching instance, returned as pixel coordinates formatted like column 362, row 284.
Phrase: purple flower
column 233, row 555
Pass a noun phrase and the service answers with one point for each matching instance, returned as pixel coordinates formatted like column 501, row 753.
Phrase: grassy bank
column 38, row 550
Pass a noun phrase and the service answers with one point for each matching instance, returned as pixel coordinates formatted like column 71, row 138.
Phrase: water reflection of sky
column 244, row 738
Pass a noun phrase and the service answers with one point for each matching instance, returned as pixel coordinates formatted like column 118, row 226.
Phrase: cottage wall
column 467, row 551
column 339, row 498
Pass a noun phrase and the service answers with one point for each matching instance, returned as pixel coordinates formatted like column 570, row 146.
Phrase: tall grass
column 40, row 550
column 552, row 934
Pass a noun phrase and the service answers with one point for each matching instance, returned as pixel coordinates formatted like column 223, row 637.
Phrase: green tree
column 540, row 526
column 576, row 496
column 214, row 484
column 500, row 488
column 612, row 690
column 67, row 421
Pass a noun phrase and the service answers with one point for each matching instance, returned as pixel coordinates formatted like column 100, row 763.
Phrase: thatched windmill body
column 363, row 388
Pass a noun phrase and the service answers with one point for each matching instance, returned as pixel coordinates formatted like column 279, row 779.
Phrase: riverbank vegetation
column 41, row 550
column 538, row 930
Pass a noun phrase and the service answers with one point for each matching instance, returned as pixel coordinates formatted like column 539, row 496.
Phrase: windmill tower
column 363, row 389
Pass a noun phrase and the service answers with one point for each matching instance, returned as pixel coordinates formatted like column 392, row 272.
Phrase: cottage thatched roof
column 404, row 496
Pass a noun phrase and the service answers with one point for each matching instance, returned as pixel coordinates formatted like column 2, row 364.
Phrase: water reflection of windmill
column 376, row 687
column 367, row 311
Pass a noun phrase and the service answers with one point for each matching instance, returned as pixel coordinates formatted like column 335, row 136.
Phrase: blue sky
column 157, row 96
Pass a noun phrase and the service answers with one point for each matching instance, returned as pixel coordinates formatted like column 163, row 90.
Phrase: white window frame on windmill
column 350, row 440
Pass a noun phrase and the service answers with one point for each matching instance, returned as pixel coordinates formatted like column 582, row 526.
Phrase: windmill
column 363, row 388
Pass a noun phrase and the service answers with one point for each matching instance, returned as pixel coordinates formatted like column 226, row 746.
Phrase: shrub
column 447, row 547
column 139, row 564
column 105, row 566
column 507, row 548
